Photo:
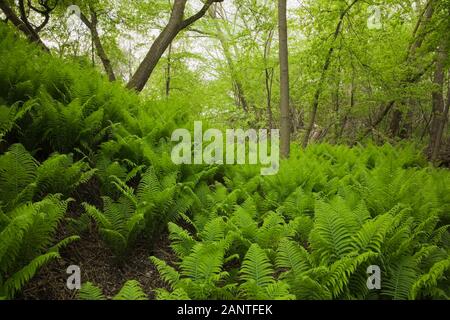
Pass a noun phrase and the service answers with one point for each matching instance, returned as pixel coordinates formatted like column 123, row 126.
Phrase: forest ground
column 96, row 260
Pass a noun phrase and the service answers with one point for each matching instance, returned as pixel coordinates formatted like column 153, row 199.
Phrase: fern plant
column 119, row 223
column 23, row 178
column 26, row 238
column 131, row 290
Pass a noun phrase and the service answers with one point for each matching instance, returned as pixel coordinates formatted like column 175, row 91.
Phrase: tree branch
column 187, row 22
column 21, row 25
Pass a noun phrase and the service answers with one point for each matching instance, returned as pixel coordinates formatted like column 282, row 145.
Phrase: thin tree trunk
column 438, row 110
column 352, row 104
column 335, row 96
column 284, row 80
column 168, row 70
column 419, row 34
column 92, row 26
column 397, row 117
column 238, row 87
column 268, row 72
column 323, row 74
column 442, row 125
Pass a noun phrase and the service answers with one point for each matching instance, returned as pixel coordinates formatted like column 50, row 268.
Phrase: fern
column 119, row 223
column 292, row 257
column 25, row 242
column 331, row 236
column 403, row 274
column 89, row 291
column 17, row 172
column 131, row 291
column 256, row 267
column 430, row 279
column 169, row 274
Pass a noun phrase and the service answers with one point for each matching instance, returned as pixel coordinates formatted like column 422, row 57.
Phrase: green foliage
column 314, row 237
column 309, row 232
column 26, row 235
column 23, row 178
column 131, row 290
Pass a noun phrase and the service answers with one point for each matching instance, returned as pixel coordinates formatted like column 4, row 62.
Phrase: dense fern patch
column 309, row 232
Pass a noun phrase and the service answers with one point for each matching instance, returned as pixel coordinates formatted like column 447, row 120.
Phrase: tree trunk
column 343, row 123
column 22, row 26
column 268, row 72
column 335, row 97
column 439, row 114
column 168, row 70
column 92, row 26
column 419, row 34
column 397, row 117
column 162, row 42
column 165, row 38
column 284, row 80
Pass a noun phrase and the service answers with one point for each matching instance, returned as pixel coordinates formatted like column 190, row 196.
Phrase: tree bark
column 268, row 72
column 285, row 131
column 29, row 32
column 92, row 26
column 439, row 114
column 395, row 122
column 159, row 46
column 168, row 70
column 352, row 104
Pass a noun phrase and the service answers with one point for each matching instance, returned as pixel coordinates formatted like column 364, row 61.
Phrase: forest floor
column 96, row 261
column 97, row 265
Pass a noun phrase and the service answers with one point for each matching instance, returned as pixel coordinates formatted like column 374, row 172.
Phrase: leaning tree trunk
column 162, row 42
column 92, row 26
column 29, row 32
column 223, row 39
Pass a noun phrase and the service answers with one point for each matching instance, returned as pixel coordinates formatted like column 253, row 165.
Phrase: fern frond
column 131, row 291
column 292, row 257
column 430, row 279
column 204, row 263
column 257, row 267
column 402, row 276
column 168, row 274
column 14, row 283
column 181, row 241
column 89, row 291
column 332, row 234
column 177, row 294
